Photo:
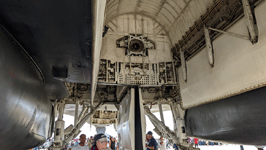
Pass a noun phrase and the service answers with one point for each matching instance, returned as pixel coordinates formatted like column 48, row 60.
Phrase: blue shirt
column 175, row 146
column 152, row 142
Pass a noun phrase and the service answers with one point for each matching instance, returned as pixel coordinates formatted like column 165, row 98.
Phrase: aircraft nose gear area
column 131, row 123
column 118, row 62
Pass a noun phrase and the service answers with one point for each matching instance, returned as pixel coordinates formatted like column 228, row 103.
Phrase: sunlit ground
column 225, row 147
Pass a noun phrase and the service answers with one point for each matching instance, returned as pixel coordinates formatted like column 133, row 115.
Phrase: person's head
column 82, row 138
column 149, row 135
column 100, row 141
column 91, row 137
column 161, row 138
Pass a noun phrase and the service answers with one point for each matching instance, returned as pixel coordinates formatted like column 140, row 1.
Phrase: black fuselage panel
column 238, row 119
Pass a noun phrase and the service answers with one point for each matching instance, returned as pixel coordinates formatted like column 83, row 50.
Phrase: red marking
column 151, row 106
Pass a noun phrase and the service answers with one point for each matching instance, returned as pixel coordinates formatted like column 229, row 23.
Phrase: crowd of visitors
column 102, row 142
column 98, row 142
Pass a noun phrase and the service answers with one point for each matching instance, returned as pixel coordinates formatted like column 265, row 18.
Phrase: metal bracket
column 252, row 27
column 250, row 21
column 209, row 46
column 229, row 33
column 183, row 63
column 178, row 117
column 59, row 127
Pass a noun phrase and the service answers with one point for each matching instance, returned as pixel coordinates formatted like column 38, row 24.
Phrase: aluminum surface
column 25, row 110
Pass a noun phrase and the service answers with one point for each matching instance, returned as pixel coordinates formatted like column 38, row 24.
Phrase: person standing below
column 116, row 144
column 112, row 143
column 175, row 147
column 162, row 144
column 260, row 147
column 196, row 141
column 90, row 141
column 188, row 139
column 81, row 145
column 152, row 142
column 100, row 142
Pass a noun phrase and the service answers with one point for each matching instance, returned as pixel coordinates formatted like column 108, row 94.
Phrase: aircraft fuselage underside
column 111, row 63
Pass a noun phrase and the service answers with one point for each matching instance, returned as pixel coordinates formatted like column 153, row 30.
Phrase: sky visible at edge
column 91, row 130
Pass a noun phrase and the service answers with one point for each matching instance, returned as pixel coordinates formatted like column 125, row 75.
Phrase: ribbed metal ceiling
column 175, row 16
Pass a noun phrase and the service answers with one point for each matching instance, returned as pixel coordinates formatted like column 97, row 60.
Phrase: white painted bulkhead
column 136, row 24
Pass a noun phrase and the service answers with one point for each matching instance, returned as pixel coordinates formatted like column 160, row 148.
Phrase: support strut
column 164, row 130
column 76, row 118
column 81, row 123
column 229, row 33
column 59, row 127
column 209, row 46
column 183, row 63
column 84, row 109
column 161, row 109
column 167, row 133
column 250, row 21
column 62, row 139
